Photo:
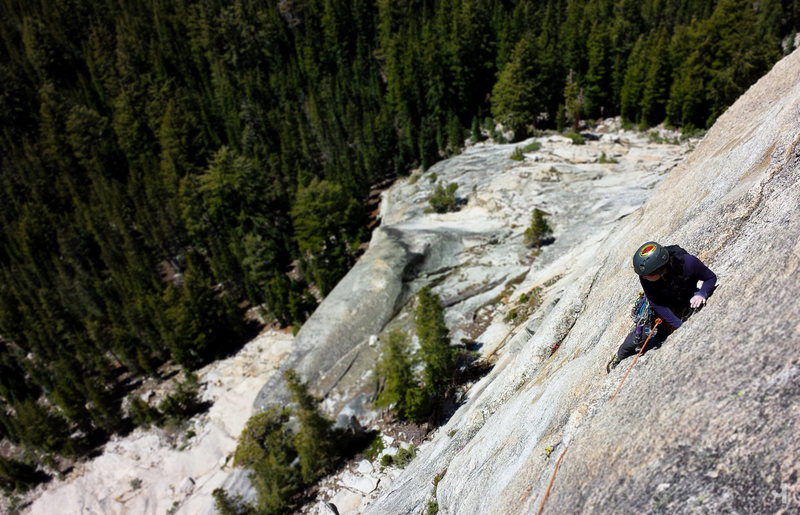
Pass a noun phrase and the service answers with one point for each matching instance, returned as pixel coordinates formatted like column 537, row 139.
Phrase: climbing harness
column 643, row 316
column 658, row 321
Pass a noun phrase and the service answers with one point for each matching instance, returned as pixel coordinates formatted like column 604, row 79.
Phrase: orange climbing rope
column 552, row 479
column 658, row 321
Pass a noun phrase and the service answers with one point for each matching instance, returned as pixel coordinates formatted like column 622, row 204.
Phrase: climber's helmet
column 649, row 258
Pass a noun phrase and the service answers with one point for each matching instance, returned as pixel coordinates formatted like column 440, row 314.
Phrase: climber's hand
column 697, row 301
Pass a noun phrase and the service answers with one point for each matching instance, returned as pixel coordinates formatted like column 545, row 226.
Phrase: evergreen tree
column 574, row 100
column 266, row 448
column 475, row 130
column 327, row 226
column 141, row 413
column 539, row 230
column 437, row 355
column 656, row 90
column 314, row 439
column 728, row 53
column 18, row 476
column 200, row 322
column 41, row 428
column 103, row 405
column 400, row 389
column 549, row 63
column 634, row 83
column 289, row 302
column 597, row 81
column 517, row 96
column 180, row 405
column 226, row 504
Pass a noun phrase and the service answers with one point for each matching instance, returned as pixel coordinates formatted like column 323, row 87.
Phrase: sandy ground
column 145, row 473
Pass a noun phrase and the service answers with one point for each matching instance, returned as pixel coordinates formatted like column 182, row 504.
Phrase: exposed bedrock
column 708, row 422
column 358, row 307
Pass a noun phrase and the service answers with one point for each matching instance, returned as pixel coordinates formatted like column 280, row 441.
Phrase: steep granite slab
column 709, row 421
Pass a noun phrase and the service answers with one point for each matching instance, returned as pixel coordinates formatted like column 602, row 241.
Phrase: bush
column 654, row 137
column 401, row 459
column 143, row 414
column 576, row 138
column 228, row 505
column 528, row 303
column 539, row 230
column 375, row 448
column 517, row 155
column 443, row 199
column 603, row 159
column 404, row 456
column 17, row 476
column 266, row 448
column 180, row 406
column 532, row 147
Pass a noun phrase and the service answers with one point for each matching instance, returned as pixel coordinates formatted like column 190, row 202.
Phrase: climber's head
column 650, row 260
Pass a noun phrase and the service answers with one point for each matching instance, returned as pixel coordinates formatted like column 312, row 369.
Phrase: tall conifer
column 437, row 355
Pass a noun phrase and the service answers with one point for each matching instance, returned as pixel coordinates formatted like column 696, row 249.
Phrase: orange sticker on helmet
column 646, row 250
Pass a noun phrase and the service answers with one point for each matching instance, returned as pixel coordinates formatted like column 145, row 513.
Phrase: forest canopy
column 167, row 162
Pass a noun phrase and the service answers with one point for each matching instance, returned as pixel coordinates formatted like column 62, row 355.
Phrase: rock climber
column 669, row 277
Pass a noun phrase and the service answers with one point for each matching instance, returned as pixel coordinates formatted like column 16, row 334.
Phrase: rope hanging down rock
column 553, row 477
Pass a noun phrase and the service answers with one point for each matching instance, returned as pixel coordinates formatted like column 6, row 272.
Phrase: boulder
column 346, row 501
column 358, row 482
column 365, row 467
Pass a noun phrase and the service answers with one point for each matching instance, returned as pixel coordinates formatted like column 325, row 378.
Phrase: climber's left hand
column 697, row 301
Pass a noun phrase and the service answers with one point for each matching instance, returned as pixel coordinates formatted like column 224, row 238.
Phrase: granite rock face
column 471, row 255
column 710, row 421
column 706, row 423
column 468, row 256
column 359, row 306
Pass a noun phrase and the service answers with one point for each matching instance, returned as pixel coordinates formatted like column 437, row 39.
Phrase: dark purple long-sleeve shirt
column 693, row 270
